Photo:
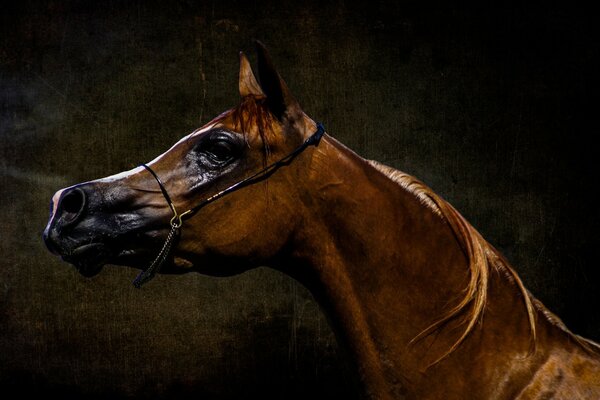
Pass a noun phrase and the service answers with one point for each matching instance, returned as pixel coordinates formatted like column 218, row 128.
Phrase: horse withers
column 426, row 307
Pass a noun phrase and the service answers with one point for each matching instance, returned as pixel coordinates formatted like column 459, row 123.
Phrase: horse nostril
column 72, row 205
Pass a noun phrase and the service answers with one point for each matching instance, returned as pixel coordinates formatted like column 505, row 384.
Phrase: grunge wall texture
column 492, row 105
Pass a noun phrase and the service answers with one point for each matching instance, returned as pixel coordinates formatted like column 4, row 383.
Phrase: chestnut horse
column 426, row 307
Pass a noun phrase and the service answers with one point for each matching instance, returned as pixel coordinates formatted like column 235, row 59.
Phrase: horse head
column 123, row 219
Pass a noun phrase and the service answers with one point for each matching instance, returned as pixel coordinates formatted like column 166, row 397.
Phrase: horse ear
column 279, row 98
column 248, row 84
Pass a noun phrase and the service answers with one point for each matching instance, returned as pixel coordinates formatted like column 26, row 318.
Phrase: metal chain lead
column 149, row 273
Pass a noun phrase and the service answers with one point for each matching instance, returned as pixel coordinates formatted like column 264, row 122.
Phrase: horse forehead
column 198, row 132
column 193, row 135
column 220, row 122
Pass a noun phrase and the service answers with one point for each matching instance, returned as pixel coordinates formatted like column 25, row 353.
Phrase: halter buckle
column 177, row 220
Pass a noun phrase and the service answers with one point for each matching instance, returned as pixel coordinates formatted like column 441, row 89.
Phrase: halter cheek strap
column 177, row 219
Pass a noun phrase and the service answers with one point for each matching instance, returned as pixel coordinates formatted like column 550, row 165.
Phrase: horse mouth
column 89, row 258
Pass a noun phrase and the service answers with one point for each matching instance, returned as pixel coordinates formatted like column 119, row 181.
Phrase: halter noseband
column 177, row 219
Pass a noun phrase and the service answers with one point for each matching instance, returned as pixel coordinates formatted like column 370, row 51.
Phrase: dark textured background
column 493, row 106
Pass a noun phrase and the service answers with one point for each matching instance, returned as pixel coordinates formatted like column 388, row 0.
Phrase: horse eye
column 219, row 151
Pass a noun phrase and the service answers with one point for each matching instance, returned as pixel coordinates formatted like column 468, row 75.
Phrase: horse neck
column 382, row 264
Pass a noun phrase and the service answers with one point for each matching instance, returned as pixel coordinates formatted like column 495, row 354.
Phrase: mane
column 253, row 112
column 482, row 258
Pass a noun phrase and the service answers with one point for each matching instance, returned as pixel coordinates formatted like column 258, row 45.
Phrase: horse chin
column 89, row 258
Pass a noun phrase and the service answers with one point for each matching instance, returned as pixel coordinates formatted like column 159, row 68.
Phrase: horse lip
column 88, row 258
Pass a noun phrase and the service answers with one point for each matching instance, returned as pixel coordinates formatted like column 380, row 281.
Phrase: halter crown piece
column 176, row 221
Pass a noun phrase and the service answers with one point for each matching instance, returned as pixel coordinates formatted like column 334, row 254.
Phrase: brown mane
column 253, row 112
column 480, row 254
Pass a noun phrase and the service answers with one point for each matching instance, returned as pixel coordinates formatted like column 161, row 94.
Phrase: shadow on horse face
column 124, row 219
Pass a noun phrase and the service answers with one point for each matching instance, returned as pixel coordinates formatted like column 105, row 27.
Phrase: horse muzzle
column 65, row 234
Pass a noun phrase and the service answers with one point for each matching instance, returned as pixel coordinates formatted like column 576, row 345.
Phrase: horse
column 424, row 305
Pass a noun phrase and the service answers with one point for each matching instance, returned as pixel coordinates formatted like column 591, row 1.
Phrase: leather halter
column 177, row 220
